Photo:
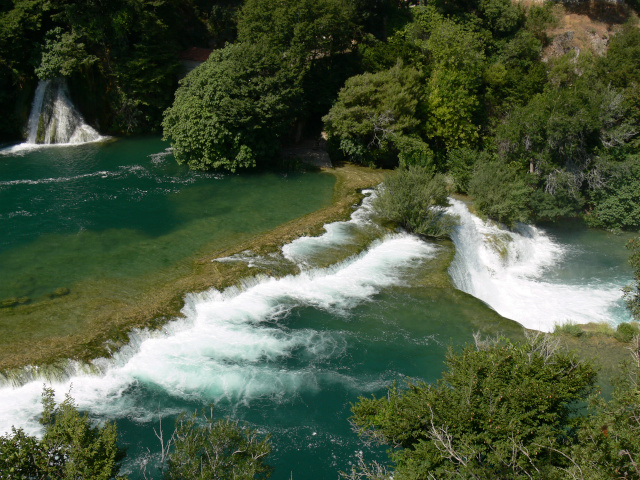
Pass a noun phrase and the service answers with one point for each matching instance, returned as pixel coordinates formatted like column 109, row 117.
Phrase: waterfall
column 54, row 119
column 507, row 270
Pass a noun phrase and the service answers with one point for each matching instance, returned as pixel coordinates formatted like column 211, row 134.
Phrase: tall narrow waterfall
column 510, row 271
column 54, row 118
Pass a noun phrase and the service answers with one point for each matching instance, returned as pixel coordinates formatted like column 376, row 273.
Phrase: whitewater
column 509, row 270
column 236, row 346
column 227, row 343
column 54, row 120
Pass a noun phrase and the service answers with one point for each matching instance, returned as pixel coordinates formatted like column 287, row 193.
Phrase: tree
column 632, row 291
column 411, row 197
column 452, row 100
column 62, row 55
column 231, row 112
column 616, row 203
column 71, row 448
column 376, row 118
column 608, row 444
column 500, row 191
column 206, row 449
column 304, row 29
column 501, row 410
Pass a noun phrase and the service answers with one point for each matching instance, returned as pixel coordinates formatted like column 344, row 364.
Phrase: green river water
column 286, row 355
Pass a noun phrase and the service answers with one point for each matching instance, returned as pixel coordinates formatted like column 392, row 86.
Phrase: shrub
column 411, row 198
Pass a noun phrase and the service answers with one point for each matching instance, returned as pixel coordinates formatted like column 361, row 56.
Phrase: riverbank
column 106, row 329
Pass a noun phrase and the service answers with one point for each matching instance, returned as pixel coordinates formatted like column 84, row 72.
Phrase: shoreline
column 51, row 357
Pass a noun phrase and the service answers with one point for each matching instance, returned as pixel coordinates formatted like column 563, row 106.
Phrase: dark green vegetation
column 120, row 56
column 507, row 410
column 461, row 87
column 409, row 198
column 72, row 448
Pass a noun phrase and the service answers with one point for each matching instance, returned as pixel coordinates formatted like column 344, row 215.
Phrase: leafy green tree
column 62, row 55
column 500, row 191
column 206, row 449
column 632, row 291
column 460, row 165
column 501, row 410
column 232, row 111
column 411, row 197
column 452, row 89
column 608, row 444
column 501, row 16
column 71, row 448
column 616, row 203
column 376, row 118
column 304, row 29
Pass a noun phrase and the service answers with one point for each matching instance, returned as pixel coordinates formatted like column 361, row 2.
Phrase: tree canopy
column 231, row 112
column 507, row 410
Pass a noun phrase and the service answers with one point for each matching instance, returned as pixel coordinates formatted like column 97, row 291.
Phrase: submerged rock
column 59, row 292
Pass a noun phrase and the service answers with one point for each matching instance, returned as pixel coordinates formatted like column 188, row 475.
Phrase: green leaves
column 231, row 112
column 410, row 199
column 62, row 55
column 71, row 448
column 373, row 114
column 501, row 410
column 206, row 449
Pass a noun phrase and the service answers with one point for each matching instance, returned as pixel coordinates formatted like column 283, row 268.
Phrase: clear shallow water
column 125, row 208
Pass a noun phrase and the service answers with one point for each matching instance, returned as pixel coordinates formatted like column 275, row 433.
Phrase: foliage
column 413, row 198
column 501, row 410
column 304, row 29
column 231, row 112
column 632, row 291
column 460, row 164
column 500, row 191
column 626, row 331
column 71, row 448
column 62, row 54
column 568, row 328
column 608, row 445
column 376, row 117
column 616, row 204
column 452, row 102
column 207, row 449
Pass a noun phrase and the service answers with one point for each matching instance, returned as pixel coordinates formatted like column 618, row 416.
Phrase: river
column 286, row 355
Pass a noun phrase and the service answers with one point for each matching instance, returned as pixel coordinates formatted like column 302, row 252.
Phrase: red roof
column 195, row 54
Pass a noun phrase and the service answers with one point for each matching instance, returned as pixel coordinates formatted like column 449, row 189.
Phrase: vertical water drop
column 54, row 119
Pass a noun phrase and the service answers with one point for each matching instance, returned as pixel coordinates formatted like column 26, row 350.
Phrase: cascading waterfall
column 229, row 344
column 54, row 119
column 506, row 269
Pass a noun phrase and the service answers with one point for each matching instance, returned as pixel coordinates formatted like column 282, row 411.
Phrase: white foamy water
column 506, row 269
column 54, row 120
column 336, row 234
column 229, row 344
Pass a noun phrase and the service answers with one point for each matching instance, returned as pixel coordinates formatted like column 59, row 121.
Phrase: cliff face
column 585, row 26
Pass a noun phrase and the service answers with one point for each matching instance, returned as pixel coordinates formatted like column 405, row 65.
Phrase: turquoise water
column 125, row 208
column 287, row 355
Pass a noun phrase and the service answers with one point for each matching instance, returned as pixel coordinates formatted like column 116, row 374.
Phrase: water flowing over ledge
column 54, row 120
column 230, row 343
column 507, row 270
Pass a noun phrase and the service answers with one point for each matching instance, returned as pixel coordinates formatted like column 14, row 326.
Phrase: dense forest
column 462, row 88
